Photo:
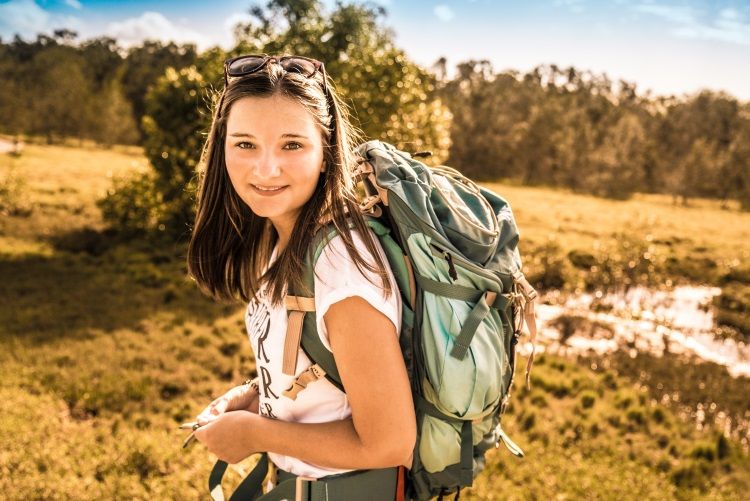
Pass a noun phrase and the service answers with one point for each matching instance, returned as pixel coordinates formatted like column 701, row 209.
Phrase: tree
column 112, row 119
column 175, row 128
column 738, row 164
column 619, row 160
column 104, row 62
column 146, row 63
column 391, row 97
column 61, row 93
column 688, row 177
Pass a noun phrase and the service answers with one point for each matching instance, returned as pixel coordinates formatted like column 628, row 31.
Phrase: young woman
column 278, row 164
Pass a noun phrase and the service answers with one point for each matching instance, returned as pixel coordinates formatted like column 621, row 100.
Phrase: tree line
column 549, row 126
column 58, row 87
column 579, row 130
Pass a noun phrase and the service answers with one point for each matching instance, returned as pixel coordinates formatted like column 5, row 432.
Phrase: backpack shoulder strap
column 305, row 334
column 302, row 330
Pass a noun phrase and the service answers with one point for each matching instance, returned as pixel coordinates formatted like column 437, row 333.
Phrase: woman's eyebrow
column 287, row 135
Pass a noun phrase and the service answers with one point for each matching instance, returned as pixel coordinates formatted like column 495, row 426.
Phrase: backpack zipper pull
column 451, row 268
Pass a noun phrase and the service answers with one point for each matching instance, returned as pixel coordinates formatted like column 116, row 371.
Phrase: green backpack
column 453, row 250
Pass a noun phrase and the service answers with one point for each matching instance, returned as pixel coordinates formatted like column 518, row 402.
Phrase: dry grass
column 103, row 353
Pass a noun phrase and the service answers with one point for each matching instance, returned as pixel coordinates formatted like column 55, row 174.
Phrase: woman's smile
column 268, row 191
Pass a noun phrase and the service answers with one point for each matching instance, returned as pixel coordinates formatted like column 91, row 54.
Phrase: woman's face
column 274, row 157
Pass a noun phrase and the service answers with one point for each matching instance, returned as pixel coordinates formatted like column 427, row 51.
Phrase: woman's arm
column 382, row 429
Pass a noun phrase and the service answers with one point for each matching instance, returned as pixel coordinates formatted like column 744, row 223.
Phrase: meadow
column 106, row 346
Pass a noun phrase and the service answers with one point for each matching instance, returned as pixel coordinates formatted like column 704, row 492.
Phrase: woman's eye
column 292, row 146
column 245, row 145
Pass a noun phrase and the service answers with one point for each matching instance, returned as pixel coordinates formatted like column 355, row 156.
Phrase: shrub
column 636, row 416
column 84, row 240
column 658, row 415
column 528, row 421
column 690, row 477
column 704, row 451
column 723, row 448
column 588, row 398
column 133, row 204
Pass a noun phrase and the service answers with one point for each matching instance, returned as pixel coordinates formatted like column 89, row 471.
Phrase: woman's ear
column 323, row 166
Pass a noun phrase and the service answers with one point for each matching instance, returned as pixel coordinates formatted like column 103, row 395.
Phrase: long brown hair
column 230, row 245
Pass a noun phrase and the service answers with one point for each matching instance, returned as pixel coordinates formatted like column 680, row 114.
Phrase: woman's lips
column 268, row 191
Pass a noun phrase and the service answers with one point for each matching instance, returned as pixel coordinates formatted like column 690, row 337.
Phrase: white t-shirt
column 336, row 278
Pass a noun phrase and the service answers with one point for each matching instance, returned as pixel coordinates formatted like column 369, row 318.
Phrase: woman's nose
column 267, row 167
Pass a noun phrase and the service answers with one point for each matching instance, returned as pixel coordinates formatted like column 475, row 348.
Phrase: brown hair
column 230, row 245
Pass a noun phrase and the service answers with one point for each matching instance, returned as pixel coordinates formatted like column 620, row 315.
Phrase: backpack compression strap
column 526, row 300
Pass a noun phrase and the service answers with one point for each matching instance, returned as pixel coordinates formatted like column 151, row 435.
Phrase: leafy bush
column 132, row 205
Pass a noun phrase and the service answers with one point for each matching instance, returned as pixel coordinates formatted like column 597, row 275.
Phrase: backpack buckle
column 520, row 283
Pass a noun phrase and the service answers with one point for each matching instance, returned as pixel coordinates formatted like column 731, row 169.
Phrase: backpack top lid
column 461, row 215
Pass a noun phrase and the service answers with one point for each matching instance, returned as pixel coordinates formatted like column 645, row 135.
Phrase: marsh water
column 666, row 339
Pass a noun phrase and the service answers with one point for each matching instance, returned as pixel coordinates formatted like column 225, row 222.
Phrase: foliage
column 578, row 130
column 392, row 98
column 132, row 204
column 57, row 87
column 175, row 126
column 145, row 64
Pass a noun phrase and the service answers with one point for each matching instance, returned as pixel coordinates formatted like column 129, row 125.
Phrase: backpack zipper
column 451, row 269
column 464, row 263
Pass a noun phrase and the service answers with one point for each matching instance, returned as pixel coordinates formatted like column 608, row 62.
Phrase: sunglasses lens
column 298, row 65
column 244, row 65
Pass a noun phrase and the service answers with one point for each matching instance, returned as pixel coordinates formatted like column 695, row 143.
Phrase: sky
column 666, row 47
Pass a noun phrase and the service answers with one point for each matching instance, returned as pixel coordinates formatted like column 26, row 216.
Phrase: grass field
column 106, row 347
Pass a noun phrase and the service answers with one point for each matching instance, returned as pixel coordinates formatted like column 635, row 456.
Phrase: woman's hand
column 229, row 436
column 239, row 398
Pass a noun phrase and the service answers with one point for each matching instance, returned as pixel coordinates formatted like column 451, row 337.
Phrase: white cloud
column 74, row 3
column 674, row 13
column 728, row 26
column 729, row 14
column 153, row 26
column 444, row 13
column 27, row 19
column 235, row 19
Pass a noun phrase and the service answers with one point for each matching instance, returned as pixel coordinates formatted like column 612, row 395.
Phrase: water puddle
column 648, row 334
column 645, row 320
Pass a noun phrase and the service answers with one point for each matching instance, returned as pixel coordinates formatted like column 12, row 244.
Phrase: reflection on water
column 676, row 321
column 649, row 334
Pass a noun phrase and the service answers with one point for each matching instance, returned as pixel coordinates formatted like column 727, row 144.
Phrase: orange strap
column 292, row 341
column 401, row 484
column 297, row 307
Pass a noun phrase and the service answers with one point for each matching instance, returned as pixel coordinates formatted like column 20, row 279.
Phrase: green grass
column 585, row 439
column 106, row 346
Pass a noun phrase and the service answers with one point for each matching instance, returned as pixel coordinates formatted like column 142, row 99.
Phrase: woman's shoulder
column 336, row 250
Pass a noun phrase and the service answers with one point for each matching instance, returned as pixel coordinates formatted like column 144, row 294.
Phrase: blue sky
column 667, row 46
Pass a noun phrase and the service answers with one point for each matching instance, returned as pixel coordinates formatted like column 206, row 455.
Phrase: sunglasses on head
column 246, row 65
